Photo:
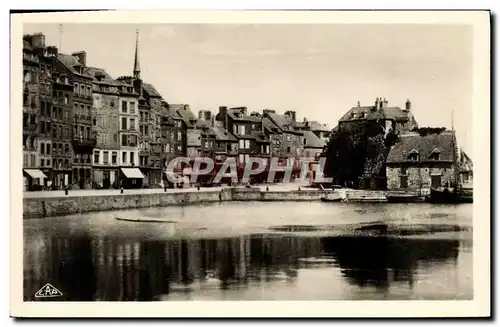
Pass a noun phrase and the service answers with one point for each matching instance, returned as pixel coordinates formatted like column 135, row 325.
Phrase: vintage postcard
column 250, row 164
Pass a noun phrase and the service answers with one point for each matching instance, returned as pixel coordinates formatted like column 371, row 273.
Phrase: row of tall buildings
column 84, row 128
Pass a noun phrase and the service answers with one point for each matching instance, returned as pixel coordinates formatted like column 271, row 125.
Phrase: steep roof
column 222, row 135
column 150, row 89
column 424, row 145
column 260, row 136
column 285, row 123
column 187, row 116
column 370, row 113
column 238, row 114
column 108, row 80
column 312, row 141
column 269, row 125
column 70, row 62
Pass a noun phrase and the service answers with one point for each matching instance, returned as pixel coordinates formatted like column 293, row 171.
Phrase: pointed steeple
column 137, row 67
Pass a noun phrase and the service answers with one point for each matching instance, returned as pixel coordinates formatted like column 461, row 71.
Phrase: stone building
column 34, row 178
column 288, row 143
column 420, row 163
column 191, row 132
column 62, row 125
column 174, row 141
column 128, row 135
column 389, row 118
column 466, row 170
column 105, row 124
column 247, row 129
column 83, row 140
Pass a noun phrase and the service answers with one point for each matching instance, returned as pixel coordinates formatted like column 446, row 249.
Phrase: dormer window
column 413, row 156
column 435, row 154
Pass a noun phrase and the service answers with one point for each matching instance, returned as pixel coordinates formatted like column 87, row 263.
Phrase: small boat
column 331, row 199
column 147, row 220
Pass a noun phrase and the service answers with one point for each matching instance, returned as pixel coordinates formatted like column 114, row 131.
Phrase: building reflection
column 111, row 269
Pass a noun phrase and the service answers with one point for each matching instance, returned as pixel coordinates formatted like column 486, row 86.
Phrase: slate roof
column 312, row 141
column 369, row 113
column 260, row 137
column 188, row 117
column 70, row 62
column 269, row 125
column 108, row 80
column 425, row 145
column 284, row 123
column 150, row 89
column 222, row 135
column 237, row 114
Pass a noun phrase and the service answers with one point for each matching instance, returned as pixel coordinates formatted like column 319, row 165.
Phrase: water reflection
column 89, row 268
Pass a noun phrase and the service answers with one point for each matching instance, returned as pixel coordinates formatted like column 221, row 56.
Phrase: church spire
column 137, row 67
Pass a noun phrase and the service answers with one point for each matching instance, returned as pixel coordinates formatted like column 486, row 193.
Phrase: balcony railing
column 84, row 142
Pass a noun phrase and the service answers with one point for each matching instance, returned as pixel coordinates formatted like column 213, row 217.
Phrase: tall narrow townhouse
column 105, row 123
column 128, row 135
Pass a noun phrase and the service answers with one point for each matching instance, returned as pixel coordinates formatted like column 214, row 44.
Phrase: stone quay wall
column 74, row 204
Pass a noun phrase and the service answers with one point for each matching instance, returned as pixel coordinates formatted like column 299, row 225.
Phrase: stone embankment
column 74, row 204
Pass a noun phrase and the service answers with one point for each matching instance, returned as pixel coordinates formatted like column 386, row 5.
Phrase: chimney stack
column 384, row 104
column 292, row 114
column 38, row 40
column 81, row 56
column 377, row 103
column 408, row 105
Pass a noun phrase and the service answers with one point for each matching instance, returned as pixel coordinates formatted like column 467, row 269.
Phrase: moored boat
column 331, row 199
column 399, row 198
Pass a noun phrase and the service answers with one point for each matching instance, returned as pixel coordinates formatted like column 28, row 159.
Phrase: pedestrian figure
column 165, row 187
column 121, row 190
column 220, row 196
column 66, row 190
column 267, row 188
column 299, row 187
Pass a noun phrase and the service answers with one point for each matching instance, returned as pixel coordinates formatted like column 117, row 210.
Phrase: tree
column 358, row 152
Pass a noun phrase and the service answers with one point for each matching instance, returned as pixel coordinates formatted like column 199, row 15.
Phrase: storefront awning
column 132, row 173
column 35, row 173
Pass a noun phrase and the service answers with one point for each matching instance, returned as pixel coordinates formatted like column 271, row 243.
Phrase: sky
column 320, row 71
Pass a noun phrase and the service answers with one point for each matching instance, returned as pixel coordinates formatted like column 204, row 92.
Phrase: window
column 42, row 108
column 124, row 140
column 42, row 148
column 124, row 106
column 146, row 130
column 48, row 162
column 132, row 124
column 247, row 144
column 113, row 158
column 124, row 157
column 288, row 138
column 413, row 156
column 179, row 136
column 82, row 89
column 436, row 181
column 247, row 157
column 66, row 99
column 42, row 162
column 403, row 181
column 241, row 158
column 146, row 118
column 66, row 149
column 435, row 155
column 141, row 130
column 132, row 107
column 235, row 129
column 25, row 160
column 66, row 114
column 242, row 144
column 88, row 90
column 242, row 129
column 105, row 157
column 25, row 99
column 288, row 149
column 124, row 123
column 112, row 103
column 94, row 122
column 48, row 149
column 33, row 160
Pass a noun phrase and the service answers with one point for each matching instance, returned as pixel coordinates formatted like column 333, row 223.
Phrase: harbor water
column 254, row 251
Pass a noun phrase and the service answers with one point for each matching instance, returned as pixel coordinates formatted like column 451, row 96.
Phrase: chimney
column 186, row 107
column 292, row 114
column 200, row 114
column 52, row 51
column 377, row 103
column 38, row 40
column 384, row 104
column 359, row 104
column 81, row 56
column 408, row 105
column 268, row 111
column 222, row 116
